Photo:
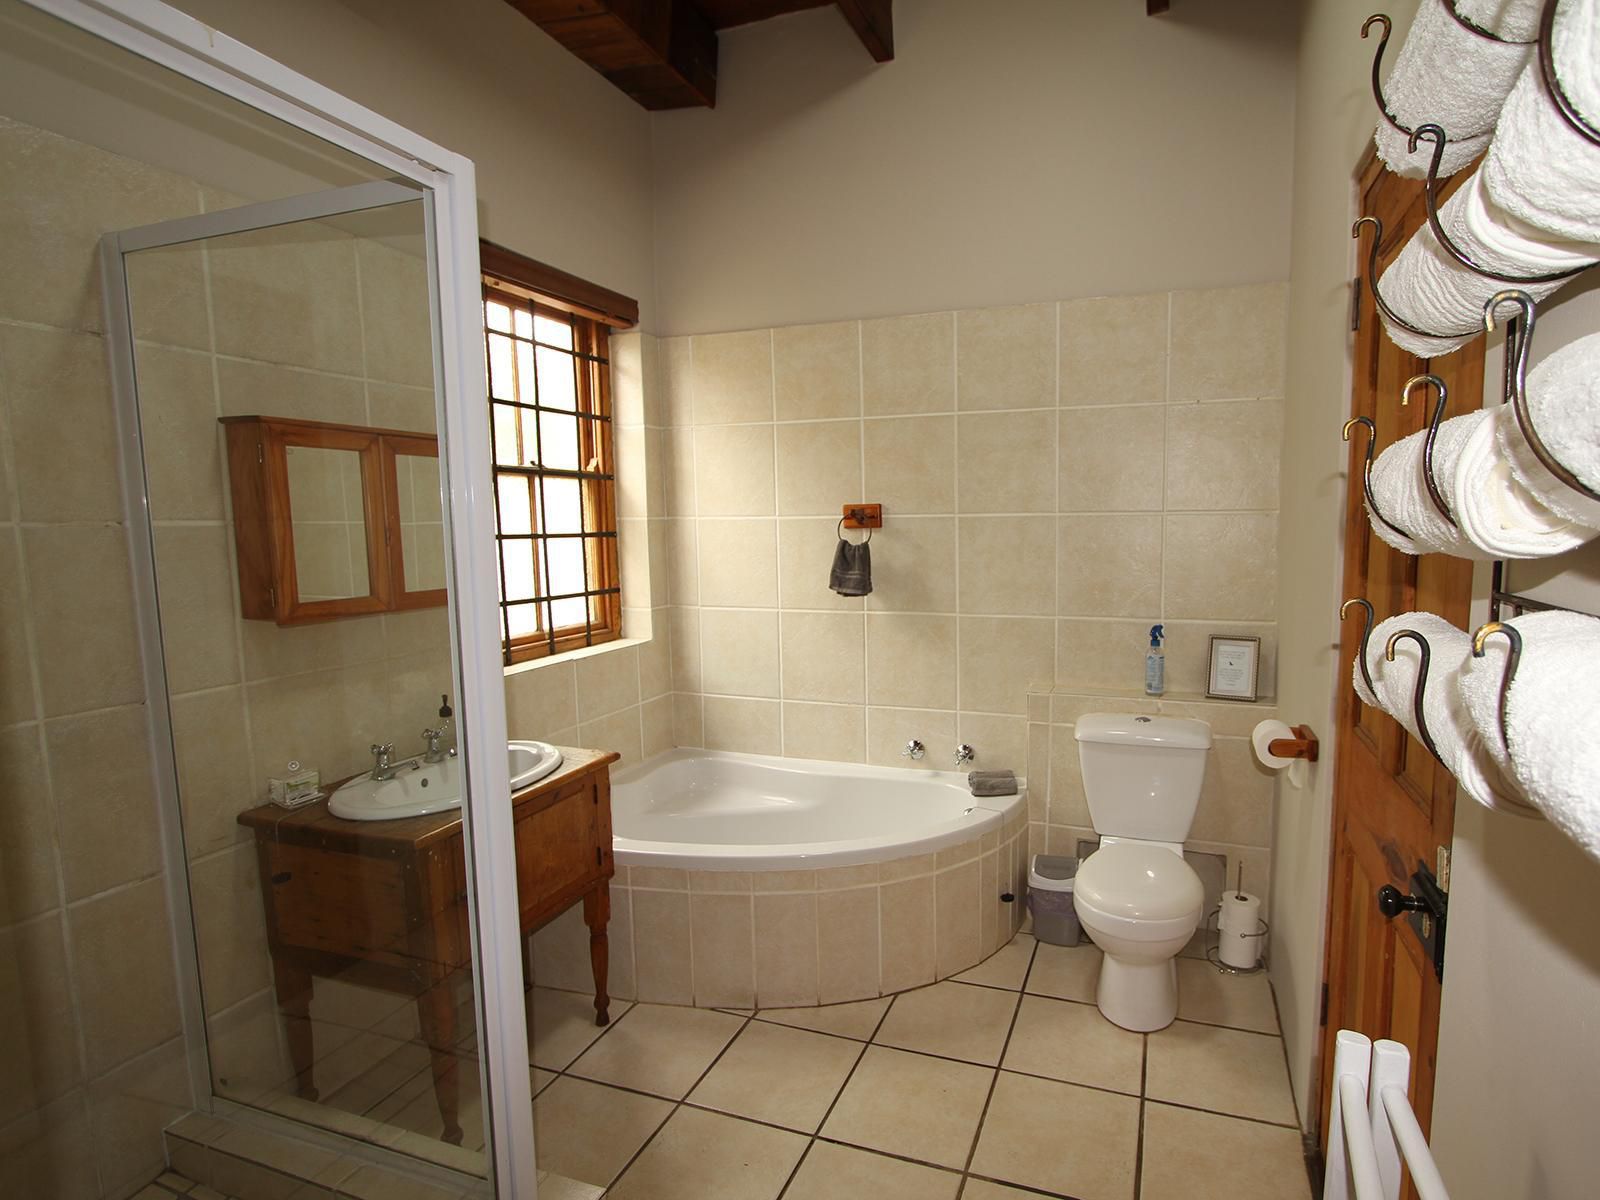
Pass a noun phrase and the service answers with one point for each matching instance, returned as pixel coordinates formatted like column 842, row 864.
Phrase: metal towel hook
column 1372, row 282
column 1517, row 343
column 1420, row 691
column 1513, row 657
column 1431, row 196
column 1552, row 82
column 1366, row 471
column 1366, row 634
column 1428, row 476
column 1383, row 44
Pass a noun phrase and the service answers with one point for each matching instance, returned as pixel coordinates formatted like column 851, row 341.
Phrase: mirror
column 327, row 510
column 419, row 519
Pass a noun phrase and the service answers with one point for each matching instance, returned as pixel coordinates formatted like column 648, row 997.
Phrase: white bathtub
column 710, row 810
column 745, row 881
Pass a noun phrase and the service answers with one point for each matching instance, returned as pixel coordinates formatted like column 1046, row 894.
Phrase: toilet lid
column 1139, row 882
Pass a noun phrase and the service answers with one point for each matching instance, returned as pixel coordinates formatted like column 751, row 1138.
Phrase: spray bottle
column 1155, row 664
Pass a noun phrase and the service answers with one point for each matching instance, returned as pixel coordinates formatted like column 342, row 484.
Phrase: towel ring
column 840, row 532
column 1366, row 634
column 1428, row 476
column 1420, row 691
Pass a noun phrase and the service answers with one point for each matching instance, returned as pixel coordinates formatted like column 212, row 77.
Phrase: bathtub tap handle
column 914, row 750
column 964, row 755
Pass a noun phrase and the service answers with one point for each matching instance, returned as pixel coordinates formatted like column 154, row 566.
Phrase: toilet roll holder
column 1213, row 931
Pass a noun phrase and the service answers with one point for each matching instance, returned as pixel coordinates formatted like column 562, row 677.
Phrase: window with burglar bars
column 555, row 480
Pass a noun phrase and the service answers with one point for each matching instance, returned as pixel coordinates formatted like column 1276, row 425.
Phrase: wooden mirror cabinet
column 334, row 520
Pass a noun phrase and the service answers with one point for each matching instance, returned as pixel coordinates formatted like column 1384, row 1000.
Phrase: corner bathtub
column 749, row 881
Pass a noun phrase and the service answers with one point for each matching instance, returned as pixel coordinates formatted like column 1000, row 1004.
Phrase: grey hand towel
column 852, row 569
column 992, row 783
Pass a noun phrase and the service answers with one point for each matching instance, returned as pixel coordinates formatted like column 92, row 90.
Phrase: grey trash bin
column 1055, row 920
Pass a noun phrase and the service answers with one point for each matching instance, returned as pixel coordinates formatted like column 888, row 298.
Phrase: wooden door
column 1394, row 804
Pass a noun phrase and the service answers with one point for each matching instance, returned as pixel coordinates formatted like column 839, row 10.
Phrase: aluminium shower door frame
column 169, row 38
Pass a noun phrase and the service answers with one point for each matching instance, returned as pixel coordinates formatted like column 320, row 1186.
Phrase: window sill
column 567, row 656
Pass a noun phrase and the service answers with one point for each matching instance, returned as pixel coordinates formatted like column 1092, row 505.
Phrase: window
column 554, row 475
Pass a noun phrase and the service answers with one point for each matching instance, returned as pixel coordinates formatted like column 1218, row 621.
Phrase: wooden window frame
column 590, row 312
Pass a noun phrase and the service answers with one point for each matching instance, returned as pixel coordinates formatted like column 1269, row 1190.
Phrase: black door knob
column 1392, row 902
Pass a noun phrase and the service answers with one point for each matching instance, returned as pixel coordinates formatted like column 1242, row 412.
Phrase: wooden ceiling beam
column 663, row 53
column 873, row 21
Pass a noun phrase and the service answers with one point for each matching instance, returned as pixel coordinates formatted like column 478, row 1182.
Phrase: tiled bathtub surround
column 1056, row 478
column 737, row 939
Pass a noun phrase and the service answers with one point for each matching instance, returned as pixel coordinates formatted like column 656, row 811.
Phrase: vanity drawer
column 340, row 903
column 563, row 844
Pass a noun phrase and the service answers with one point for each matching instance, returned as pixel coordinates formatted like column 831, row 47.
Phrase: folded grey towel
column 992, row 783
column 852, row 569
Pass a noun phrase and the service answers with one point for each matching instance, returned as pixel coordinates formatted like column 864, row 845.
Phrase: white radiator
column 1373, row 1128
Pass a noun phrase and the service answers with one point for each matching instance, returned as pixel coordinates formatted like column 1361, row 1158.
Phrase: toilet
column 1135, row 896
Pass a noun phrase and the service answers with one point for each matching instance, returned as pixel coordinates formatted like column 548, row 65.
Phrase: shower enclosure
column 161, row 672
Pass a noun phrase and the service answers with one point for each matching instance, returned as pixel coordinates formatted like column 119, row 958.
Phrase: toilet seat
column 1142, row 893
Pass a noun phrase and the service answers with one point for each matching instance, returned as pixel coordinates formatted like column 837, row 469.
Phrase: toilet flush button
column 1141, row 720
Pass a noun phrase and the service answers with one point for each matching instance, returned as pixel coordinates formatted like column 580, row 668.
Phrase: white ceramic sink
column 531, row 762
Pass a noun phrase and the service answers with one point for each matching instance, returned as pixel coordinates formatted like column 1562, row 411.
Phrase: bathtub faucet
column 964, row 755
column 914, row 750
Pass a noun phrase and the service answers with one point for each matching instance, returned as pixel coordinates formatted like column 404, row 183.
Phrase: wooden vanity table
column 383, row 904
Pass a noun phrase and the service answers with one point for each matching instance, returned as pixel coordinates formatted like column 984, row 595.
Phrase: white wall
column 1019, row 152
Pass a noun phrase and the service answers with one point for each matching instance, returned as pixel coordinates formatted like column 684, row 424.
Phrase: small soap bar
column 296, row 789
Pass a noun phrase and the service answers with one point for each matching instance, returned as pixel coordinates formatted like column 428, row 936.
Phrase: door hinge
column 1355, row 305
column 261, row 455
column 1323, row 1019
column 272, row 597
column 1442, row 867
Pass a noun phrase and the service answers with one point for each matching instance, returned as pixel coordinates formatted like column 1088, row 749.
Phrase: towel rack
column 1428, row 477
column 1383, row 44
column 1366, row 634
column 1420, row 691
column 1366, row 471
column 1552, row 82
column 1372, row 1128
column 1513, row 658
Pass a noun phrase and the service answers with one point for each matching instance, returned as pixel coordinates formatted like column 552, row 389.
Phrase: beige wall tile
column 271, row 651
column 911, row 660
column 724, row 962
column 957, row 903
column 288, row 295
column 1226, row 718
column 688, row 728
column 542, row 698
column 847, row 945
column 244, row 388
column 1102, row 654
column 28, row 873
column 178, row 426
column 1221, row 567
column 1008, row 565
column 84, row 634
column 633, row 481
column 215, row 781
column 914, row 566
column 1189, row 656
column 805, row 558
column 395, row 320
column 683, row 561
column 1069, row 803
column 786, row 950
column 619, row 731
column 1228, row 343
column 1006, row 357
column 908, row 364
column 105, row 802
column 739, row 563
column 911, row 464
column 1114, row 350
column 907, row 932
column 818, row 369
column 16, row 651
column 320, row 719
column 1110, row 565
column 607, row 681
column 661, row 947
column 720, row 881
column 1224, row 456
column 1006, row 462
column 38, row 1031
column 747, row 726
column 1000, row 658
column 685, row 626
column 739, row 649
column 677, row 386
column 732, row 375
column 198, row 615
column 399, row 406
column 57, row 396
column 833, row 732
column 1001, row 743
column 655, row 722
column 230, row 930
column 733, row 471
column 677, row 484
column 889, row 729
column 1236, row 800
column 824, row 657
column 819, row 467
column 122, row 963
column 1112, row 459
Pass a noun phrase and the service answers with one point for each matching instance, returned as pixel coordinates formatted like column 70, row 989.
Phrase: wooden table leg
column 293, row 985
column 436, row 1012
column 596, row 913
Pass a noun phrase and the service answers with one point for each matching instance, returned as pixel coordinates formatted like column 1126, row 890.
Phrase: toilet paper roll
column 1264, row 734
column 1238, row 929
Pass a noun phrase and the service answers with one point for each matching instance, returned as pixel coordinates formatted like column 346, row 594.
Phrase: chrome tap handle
column 432, row 738
column 964, row 755
column 914, row 750
column 381, row 753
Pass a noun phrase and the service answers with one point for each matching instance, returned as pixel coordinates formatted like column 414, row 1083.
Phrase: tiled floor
column 1003, row 1084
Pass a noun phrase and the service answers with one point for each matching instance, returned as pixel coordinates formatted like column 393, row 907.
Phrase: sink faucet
column 964, row 755
column 383, row 766
column 914, row 750
column 435, row 753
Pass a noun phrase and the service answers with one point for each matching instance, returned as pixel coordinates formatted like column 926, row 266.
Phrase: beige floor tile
column 563, row 1025
column 955, row 1020
column 1059, row 1137
column 911, row 1105
column 857, row 1019
column 833, row 1172
column 589, row 1132
column 559, row 1187
column 542, row 1079
column 1218, row 998
column 707, row 1156
column 982, row 1189
column 779, row 1075
column 1007, row 967
column 1192, row 1155
column 1065, row 972
column 1074, row 1042
column 659, row 1048
column 1222, row 1070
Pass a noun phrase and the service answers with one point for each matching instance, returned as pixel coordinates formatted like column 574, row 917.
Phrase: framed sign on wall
column 1235, row 668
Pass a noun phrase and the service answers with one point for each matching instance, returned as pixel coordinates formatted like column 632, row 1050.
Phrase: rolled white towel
column 1564, row 402
column 1460, row 744
column 1551, row 713
column 1498, row 516
column 1399, row 484
column 1539, row 168
column 1512, row 20
column 1449, row 76
column 1427, row 287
